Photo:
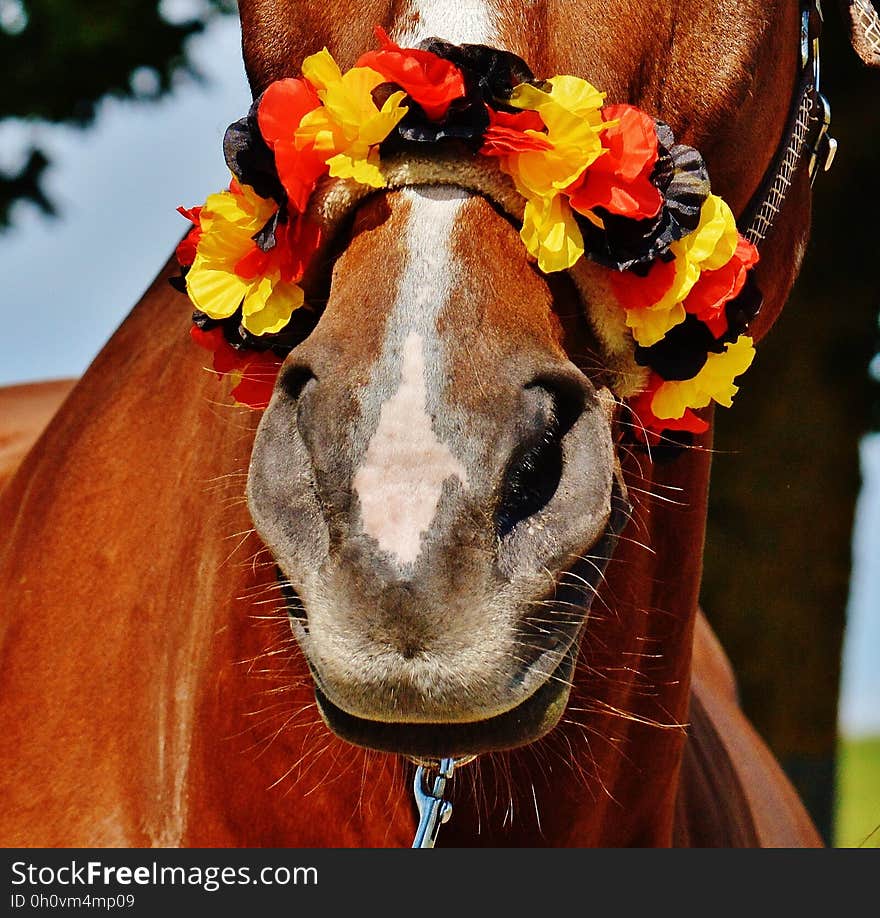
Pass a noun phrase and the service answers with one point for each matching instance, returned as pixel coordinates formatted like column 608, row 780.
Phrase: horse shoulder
column 732, row 791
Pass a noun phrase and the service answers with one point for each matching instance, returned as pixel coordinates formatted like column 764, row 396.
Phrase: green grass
column 858, row 794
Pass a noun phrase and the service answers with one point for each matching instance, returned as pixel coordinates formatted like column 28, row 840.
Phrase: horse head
column 438, row 473
column 434, row 476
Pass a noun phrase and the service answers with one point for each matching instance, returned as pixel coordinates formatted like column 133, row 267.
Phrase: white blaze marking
column 458, row 21
column 401, row 479
column 405, row 465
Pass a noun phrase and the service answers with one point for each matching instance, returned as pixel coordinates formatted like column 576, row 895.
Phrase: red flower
column 633, row 291
column 259, row 370
column 714, row 289
column 295, row 244
column 301, row 241
column 648, row 427
column 258, row 381
column 620, row 179
column 426, row 78
column 226, row 358
column 506, row 133
column 283, row 106
column 186, row 250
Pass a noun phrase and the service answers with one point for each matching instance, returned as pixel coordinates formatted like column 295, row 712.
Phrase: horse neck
column 119, row 555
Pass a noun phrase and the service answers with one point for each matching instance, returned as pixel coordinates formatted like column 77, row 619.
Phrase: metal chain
column 434, row 809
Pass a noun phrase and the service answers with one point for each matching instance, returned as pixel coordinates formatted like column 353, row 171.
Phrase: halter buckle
column 825, row 148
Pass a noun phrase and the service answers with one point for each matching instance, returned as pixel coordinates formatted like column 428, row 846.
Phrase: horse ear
column 863, row 21
column 277, row 34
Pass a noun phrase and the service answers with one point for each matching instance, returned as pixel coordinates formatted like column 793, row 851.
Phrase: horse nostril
column 294, row 379
column 535, row 468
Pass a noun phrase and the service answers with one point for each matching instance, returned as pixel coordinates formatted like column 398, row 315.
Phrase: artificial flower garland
column 604, row 182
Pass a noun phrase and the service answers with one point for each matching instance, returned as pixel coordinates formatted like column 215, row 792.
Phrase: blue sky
column 118, row 185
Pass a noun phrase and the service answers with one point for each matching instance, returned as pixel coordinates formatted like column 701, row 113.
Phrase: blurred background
column 112, row 114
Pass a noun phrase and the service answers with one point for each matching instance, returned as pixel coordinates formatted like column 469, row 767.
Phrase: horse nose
column 294, row 379
column 282, row 477
column 559, row 468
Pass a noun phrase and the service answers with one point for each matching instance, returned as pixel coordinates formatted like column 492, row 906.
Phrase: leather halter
column 806, row 134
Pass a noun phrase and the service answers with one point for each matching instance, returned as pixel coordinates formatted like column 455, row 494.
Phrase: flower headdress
column 605, row 183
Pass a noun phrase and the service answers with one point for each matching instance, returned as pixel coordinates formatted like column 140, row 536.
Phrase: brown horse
column 152, row 692
column 26, row 409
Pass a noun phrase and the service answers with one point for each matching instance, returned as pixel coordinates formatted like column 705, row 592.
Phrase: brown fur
column 25, row 410
column 130, row 658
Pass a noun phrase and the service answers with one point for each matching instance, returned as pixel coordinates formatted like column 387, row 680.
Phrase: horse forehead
column 444, row 265
column 425, row 277
column 625, row 43
column 458, row 21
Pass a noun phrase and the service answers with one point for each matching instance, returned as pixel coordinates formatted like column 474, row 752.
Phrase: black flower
column 489, row 75
column 249, row 158
column 682, row 178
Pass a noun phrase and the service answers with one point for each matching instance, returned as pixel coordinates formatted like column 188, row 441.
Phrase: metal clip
column 434, row 810
column 825, row 148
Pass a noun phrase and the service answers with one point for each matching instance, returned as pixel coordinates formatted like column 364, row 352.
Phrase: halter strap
column 335, row 199
column 806, row 134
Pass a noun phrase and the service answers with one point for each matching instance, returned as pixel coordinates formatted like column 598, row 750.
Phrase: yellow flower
column 709, row 247
column 651, row 325
column 268, row 305
column 713, row 383
column 228, row 221
column 551, row 234
column 347, row 128
column 714, row 241
column 571, row 112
